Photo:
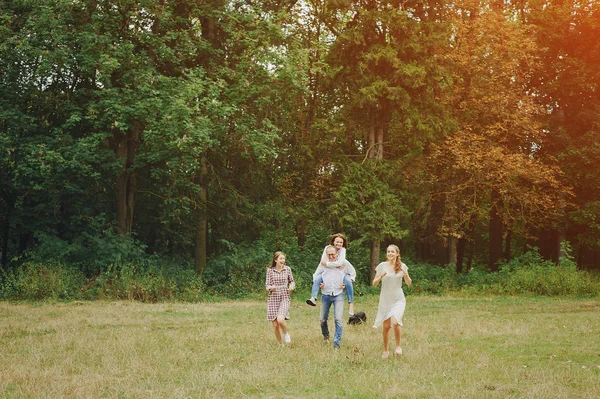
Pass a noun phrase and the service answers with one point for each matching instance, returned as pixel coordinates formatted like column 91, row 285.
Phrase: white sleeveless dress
column 391, row 299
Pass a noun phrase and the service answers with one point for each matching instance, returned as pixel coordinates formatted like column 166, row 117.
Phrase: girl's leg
column 315, row 291
column 396, row 327
column 349, row 293
column 315, row 287
column 276, row 331
column 386, row 330
column 283, row 326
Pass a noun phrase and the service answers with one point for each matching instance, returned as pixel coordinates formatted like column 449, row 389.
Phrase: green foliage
column 430, row 279
column 588, row 218
column 367, row 204
column 240, row 273
column 262, row 105
column 358, row 253
column 240, row 269
column 152, row 281
column 91, row 252
column 525, row 274
column 530, row 273
column 35, row 281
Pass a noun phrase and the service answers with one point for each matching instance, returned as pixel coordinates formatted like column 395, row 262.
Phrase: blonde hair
column 398, row 263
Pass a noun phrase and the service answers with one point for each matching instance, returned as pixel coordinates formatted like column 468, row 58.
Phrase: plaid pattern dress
column 278, row 302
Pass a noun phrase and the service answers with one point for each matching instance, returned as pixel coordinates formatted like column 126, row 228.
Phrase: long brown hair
column 274, row 260
column 343, row 237
column 398, row 263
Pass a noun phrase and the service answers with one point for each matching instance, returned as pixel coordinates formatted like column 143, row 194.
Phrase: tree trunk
column 379, row 152
column 372, row 142
column 126, row 147
column 507, row 241
column 376, row 245
column 473, row 247
column 549, row 243
column 562, row 236
column 375, row 149
column 495, row 231
column 6, row 232
column 301, row 231
column 438, row 250
column 375, row 248
column 202, row 223
column 561, row 248
column 588, row 258
column 452, row 250
column 461, row 245
column 24, row 239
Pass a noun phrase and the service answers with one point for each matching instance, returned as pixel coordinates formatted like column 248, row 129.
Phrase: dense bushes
column 35, row 281
column 525, row 274
column 240, row 271
column 531, row 273
column 148, row 282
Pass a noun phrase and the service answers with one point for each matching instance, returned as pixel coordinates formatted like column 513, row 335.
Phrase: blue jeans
column 347, row 282
column 338, row 312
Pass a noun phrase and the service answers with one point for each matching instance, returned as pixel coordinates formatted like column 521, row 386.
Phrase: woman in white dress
column 391, row 299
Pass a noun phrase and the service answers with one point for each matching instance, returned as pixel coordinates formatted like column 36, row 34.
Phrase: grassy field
column 492, row 347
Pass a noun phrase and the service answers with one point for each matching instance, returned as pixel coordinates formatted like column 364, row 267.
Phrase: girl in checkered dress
column 279, row 284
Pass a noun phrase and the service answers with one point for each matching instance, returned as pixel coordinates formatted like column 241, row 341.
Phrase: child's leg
column 349, row 288
column 349, row 293
column 315, row 287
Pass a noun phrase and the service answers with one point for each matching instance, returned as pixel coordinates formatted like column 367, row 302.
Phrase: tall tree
column 51, row 169
column 382, row 58
column 569, row 33
column 368, row 205
column 161, row 85
column 219, row 127
column 490, row 167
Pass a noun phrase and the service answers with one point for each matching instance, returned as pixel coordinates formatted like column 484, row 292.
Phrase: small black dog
column 357, row 318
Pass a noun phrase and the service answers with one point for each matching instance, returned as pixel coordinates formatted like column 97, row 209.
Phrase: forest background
column 165, row 149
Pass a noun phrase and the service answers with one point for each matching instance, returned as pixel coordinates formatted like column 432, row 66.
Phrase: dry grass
column 453, row 348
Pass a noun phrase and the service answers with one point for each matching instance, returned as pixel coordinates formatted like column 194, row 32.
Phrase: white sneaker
column 287, row 338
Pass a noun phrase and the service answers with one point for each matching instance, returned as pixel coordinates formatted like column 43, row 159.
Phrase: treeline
column 181, row 132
